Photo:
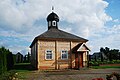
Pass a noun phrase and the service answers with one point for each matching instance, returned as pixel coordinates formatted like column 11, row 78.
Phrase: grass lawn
column 23, row 74
column 26, row 73
column 23, row 70
column 22, row 63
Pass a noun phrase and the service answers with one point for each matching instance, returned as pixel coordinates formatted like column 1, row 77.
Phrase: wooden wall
column 56, row 47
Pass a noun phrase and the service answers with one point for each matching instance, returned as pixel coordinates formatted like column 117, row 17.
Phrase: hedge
column 6, row 60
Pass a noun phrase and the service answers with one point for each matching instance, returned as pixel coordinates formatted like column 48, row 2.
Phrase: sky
column 96, row 20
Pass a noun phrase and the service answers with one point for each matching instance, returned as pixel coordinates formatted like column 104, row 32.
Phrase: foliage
column 112, row 54
column 93, row 63
column 14, row 58
column 10, row 75
column 98, row 62
column 27, row 58
column 6, row 60
column 104, row 67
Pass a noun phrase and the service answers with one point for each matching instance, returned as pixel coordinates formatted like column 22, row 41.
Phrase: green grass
column 22, row 63
column 23, row 74
column 23, row 66
column 104, row 67
column 24, row 70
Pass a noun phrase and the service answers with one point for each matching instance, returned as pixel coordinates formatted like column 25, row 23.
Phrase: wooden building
column 57, row 49
column 19, row 58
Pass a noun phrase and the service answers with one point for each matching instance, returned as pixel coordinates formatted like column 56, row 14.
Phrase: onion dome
column 53, row 17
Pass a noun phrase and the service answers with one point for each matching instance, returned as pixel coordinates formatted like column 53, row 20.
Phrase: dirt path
column 88, row 74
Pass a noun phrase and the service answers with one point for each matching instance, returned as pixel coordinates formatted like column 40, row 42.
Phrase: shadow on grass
column 23, row 66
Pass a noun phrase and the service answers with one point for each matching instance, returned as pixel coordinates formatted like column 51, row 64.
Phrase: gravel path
column 88, row 74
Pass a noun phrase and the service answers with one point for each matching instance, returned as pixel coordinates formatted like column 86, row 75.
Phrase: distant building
column 57, row 49
column 19, row 57
column 98, row 55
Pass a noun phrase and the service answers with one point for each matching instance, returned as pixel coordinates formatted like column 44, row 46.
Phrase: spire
column 52, row 8
column 52, row 5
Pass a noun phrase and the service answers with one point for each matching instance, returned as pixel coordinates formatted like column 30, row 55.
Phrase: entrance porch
column 81, row 52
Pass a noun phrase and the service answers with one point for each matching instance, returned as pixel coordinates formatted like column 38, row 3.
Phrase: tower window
column 54, row 23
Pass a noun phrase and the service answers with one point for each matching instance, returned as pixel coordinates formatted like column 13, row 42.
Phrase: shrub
column 93, row 63
column 6, row 60
column 10, row 75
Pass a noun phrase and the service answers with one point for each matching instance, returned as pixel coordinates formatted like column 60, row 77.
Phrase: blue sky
column 96, row 20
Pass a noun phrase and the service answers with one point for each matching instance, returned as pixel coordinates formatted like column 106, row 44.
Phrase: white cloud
column 20, row 16
column 116, row 20
column 87, row 17
column 109, row 38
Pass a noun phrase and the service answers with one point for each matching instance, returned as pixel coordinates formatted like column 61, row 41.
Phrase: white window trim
column 54, row 23
column 46, row 53
column 63, row 53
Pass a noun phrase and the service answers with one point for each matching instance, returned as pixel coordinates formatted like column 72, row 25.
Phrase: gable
column 83, row 47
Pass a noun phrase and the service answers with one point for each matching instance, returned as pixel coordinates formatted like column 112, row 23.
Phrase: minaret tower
column 52, row 20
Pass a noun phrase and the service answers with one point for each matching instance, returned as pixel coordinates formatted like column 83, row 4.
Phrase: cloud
column 25, row 19
column 86, row 15
column 108, row 38
column 116, row 21
column 19, row 16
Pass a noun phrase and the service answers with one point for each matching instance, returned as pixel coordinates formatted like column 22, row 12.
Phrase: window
column 54, row 23
column 64, row 54
column 48, row 55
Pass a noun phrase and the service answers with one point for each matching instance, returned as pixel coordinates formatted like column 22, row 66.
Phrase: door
column 78, row 60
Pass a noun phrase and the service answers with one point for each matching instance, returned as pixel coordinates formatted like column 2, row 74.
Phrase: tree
column 10, row 61
column 95, row 58
column 3, row 60
column 6, row 60
column 119, row 55
column 112, row 54
column 28, row 57
column 101, row 53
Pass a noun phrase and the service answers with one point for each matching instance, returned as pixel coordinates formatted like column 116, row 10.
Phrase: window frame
column 63, row 54
column 54, row 23
column 46, row 52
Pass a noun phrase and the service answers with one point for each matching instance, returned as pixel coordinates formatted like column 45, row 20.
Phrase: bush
column 116, row 61
column 3, row 60
column 93, row 63
column 10, row 75
column 6, row 60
